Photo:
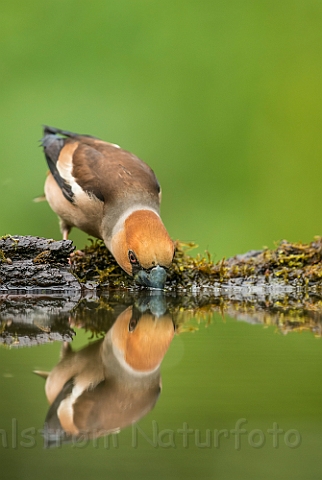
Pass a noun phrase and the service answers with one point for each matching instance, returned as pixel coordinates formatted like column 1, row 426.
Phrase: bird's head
column 143, row 248
column 142, row 338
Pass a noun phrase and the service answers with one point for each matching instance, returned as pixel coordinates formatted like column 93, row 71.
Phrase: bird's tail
column 54, row 131
column 41, row 373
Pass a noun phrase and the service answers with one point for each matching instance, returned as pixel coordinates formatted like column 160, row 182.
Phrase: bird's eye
column 132, row 324
column 132, row 257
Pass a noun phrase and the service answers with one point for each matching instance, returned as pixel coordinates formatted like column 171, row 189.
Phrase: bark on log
column 33, row 263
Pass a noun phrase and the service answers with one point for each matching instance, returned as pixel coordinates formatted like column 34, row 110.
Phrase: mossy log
column 32, row 263
column 46, row 288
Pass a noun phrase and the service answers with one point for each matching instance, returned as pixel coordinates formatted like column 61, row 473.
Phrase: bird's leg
column 65, row 228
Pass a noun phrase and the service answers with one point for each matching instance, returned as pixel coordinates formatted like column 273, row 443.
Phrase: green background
column 222, row 98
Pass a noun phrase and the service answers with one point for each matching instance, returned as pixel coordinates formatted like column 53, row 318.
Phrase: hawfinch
column 109, row 384
column 111, row 194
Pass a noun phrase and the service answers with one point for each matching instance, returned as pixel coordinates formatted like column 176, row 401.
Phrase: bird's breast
column 85, row 213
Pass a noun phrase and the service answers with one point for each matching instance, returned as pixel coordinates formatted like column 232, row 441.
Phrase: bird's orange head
column 143, row 248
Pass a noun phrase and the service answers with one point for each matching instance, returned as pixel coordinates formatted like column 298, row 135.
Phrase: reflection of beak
column 154, row 302
column 153, row 278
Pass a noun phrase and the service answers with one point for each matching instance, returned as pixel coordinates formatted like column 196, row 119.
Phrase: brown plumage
column 111, row 194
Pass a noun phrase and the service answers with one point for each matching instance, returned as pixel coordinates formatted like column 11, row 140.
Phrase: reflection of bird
column 110, row 194
column 111, row 383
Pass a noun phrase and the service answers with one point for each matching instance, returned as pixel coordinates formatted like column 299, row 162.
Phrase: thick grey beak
column 154, row 278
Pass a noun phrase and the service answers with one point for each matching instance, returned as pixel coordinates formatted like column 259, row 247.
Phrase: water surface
column 240, row 398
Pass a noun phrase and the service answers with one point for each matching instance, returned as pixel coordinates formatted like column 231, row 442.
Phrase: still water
column 123, row 385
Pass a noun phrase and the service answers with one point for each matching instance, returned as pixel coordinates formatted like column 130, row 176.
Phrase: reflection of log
column 20, row 335
column 29, row 263
column 27, row 320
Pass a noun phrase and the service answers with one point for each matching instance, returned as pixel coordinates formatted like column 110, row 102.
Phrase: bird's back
column 100, row 168
column 89, row 172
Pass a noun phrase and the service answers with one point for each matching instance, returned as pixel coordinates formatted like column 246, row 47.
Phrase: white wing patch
column 113, row 145
column 65, row 168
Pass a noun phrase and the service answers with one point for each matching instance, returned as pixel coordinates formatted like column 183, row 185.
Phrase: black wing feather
column 52, row 145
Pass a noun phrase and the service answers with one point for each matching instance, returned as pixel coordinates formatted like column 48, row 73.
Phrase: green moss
column 4, row 259
column 294, row 264
column 42, row 257
column 96, row 264
column 5, row 237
